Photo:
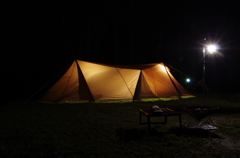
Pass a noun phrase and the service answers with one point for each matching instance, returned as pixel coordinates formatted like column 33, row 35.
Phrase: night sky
column 42, row 38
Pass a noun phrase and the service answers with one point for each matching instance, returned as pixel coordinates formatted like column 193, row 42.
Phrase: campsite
column 127, row 79
column 97, row 110
column 111, row 129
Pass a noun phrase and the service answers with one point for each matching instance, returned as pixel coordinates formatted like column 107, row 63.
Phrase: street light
column 207, row 49
column 203, row 112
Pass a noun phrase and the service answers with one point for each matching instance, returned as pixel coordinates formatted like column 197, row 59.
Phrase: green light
column 188, row 80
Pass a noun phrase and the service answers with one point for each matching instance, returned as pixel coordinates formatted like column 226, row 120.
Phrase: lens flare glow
column 211, row 48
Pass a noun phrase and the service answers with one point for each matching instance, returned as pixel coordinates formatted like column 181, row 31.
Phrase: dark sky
column 42, row 38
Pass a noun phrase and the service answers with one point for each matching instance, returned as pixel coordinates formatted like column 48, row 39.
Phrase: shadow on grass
column 134, row 134
column 200, row 133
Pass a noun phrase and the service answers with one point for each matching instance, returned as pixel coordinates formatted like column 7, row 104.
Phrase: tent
column 93, row 81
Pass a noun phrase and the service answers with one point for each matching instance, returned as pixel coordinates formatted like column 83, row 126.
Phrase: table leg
column 148, row 122
column 180, row 121
column 140, row 118
column 165, row 120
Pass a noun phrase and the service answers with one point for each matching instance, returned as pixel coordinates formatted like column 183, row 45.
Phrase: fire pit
column 201, row 113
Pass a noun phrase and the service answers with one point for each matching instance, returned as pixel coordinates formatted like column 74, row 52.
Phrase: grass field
column 112, row 129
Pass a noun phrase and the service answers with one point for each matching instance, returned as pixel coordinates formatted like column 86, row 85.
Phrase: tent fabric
column 93, row 81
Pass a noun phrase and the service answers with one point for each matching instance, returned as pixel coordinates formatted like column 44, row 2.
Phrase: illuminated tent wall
column 92, row 81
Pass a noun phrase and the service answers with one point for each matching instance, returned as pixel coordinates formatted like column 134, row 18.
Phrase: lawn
column 112, row 129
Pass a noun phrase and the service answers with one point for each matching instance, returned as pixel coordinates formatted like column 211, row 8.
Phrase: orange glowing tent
column 93, row 81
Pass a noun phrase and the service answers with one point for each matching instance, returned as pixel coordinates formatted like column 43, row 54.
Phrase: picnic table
column 165, row 113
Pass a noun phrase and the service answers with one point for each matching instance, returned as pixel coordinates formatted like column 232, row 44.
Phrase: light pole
column 207, row 49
